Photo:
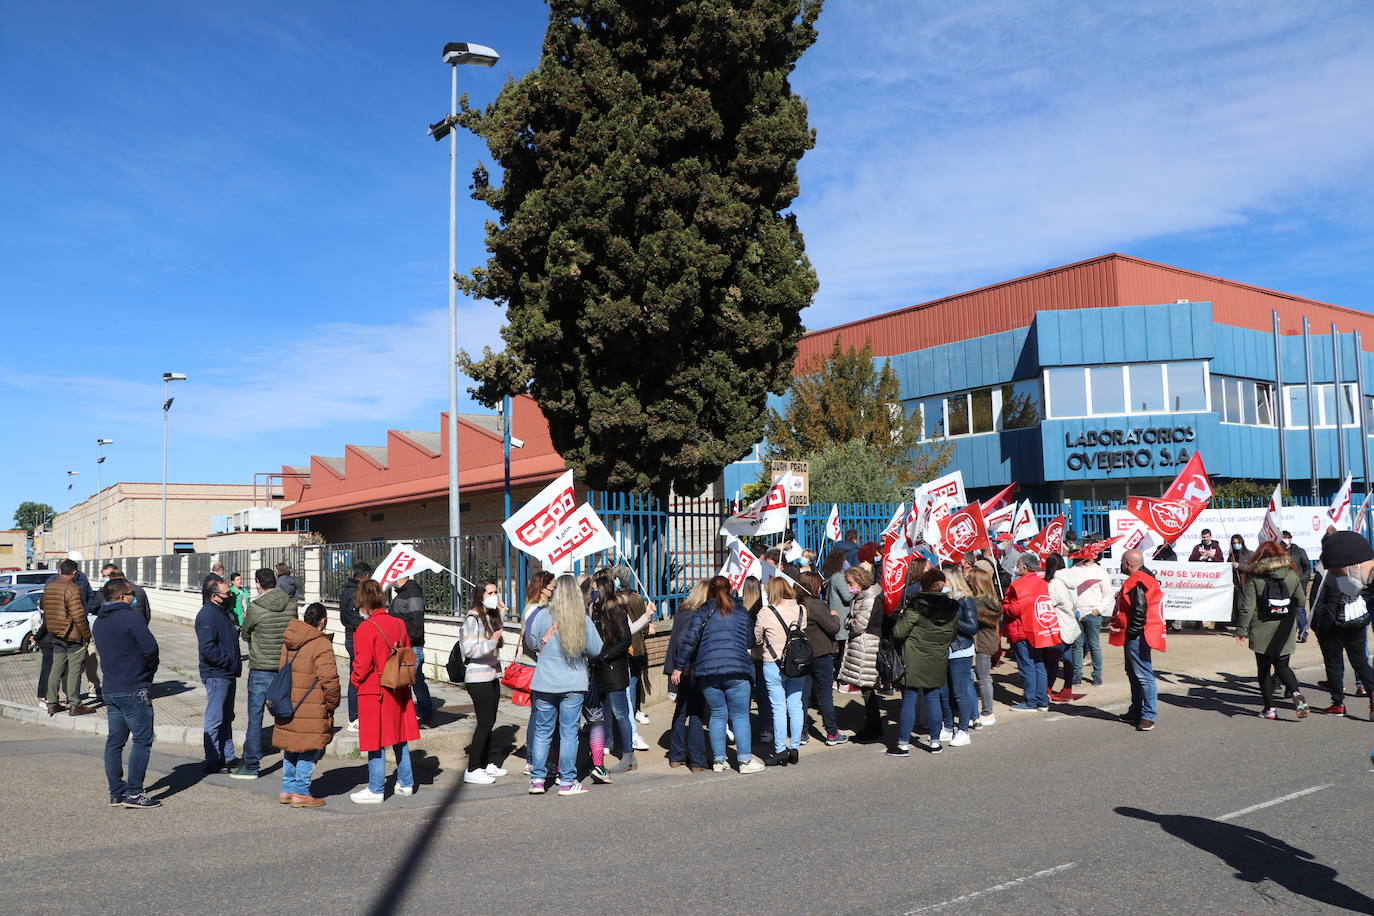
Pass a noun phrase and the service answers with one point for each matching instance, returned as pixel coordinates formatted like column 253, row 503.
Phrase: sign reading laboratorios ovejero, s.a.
column 799, row 494
column 1110, row 448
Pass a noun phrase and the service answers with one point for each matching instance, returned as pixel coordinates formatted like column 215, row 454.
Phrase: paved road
column 1045, row 814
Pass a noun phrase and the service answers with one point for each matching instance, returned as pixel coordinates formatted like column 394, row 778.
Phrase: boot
column 626, row 764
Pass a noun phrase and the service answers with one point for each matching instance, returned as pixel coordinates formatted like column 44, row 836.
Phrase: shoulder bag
column 399, row 669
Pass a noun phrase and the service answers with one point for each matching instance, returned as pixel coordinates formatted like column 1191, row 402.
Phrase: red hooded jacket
column 1030, row 612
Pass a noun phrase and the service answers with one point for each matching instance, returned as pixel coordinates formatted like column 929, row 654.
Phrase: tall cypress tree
column 652, row 276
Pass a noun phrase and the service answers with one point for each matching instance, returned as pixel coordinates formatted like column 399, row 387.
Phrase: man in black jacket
column 221, row 664
column 350, row 618
column 1304, row 564
column 408, row 604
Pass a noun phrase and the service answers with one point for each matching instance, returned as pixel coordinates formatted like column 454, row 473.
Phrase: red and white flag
column 894, row 527
column 1094, row 550
column 767, row 515
column 530, row 528
column 1272, row 529
column 1362, row 517
column 403, row 562
column 1023, row 525
column 1192, row 482
column 1339, row 513
column 1168, row 517
column 1050, row 539
column 740, row 564
column 1000, row 499
column 964, row 531
column 895, row 566
column 1000, row 520
column 583, row 534
column 832, row 524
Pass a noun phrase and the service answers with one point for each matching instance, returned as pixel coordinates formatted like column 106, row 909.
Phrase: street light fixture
column 99, row 493
column 456, row 54
column 167, row 379
column 70, row 475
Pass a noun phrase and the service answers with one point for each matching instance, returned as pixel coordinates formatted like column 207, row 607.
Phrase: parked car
column 26, row 577
column 17, row 606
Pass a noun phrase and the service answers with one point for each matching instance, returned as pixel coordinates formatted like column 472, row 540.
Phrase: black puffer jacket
column 408, row 605
column 611, row 669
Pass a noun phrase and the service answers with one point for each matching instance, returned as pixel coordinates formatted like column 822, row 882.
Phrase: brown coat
column 312, row 657
column 988, row 639
column 63, row 613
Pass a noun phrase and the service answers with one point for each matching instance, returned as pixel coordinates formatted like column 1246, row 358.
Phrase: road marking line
column 1005, row 885
column 1272, row 802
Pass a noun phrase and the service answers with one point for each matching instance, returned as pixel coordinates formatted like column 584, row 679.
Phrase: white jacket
column 1062, row 594
column 481, row 652
column 1094, row 589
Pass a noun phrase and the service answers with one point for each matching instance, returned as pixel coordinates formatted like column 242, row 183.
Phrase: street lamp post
column 167, row 379
column 99, row 495
column 456, row 54
column 68, row 538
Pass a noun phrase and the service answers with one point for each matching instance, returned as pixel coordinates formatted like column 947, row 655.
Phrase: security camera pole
column 456, row 54
column 167, row 379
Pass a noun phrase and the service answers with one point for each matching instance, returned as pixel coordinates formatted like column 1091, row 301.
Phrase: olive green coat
column 1270, row 635
column 925, row 631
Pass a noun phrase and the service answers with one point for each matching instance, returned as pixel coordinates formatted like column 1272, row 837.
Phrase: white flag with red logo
column 1272, row 529
column 832, row 524
column 894, row 527
column 403, row 562
column 1339, row 513
column 530, row 528
column 581, row 535
column 1167, row 517
column 1191, row 482
column 1050, row 539
column 964, row 531
column 740, row 564
column 1000, row 499
column 1362, row 517
column 767, row 515
column 1023, row 525
column 1000, row 520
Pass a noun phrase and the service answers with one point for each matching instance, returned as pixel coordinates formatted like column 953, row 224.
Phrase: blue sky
column 244, row 193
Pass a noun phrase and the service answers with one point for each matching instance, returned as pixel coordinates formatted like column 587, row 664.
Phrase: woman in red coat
column 386, row 717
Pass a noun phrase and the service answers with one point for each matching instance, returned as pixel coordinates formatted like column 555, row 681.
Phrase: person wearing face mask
column 1303, row 564
column 1341, row 615
column 1239, row 558
column 859, row 667
column 926, row 629
column 481, row 642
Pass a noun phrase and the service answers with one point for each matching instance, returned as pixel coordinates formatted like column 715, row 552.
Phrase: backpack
column 399, row 669
column 457, row 666
column 279, row 691
column 1275, row 603
column 797, row 656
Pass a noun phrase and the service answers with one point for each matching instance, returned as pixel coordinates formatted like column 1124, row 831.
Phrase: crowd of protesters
column 745, row 666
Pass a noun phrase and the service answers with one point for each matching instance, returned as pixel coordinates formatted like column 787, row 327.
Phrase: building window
column 1108, row 387
column 1068, row 395
column 1324, row 402
column 1016, row 405
column 1020, row 407
column 933, row 417
column 1187, row 386
column 1147, row 388
column 1241, row 400
column 980, row 403
column 956, row 414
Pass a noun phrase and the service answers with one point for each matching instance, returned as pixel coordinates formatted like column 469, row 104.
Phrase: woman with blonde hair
column 567, row 639
column 771, row 629
column 960, row 701
column 686, row 740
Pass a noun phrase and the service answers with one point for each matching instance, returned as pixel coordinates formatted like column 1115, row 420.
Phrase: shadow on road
column 182, row 777
column 1257, row 857
column 390, row 899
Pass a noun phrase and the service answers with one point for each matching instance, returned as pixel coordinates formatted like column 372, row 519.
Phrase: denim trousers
column 785, row 698
column 1054, row 657
column 929, row 697
column 632, row 695
column 822, row 683
column 376, row 768
column 1141, row 673
column 1091, row 644
column 1034, row 678
column 686, row 743
column 563, row 710
column 128, row 714
column 727, row 696
column 258, row 682
column 298, row 766
column 962, row 694
column 615, row 706
column 218, row 735
column 983, row 665
column 424, row 704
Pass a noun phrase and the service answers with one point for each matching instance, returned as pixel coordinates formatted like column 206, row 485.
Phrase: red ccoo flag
column 1168, row 518
column 999, row 499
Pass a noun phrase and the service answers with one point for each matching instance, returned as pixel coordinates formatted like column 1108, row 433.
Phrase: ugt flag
column 964, row 531
column 1272, row 529
column 832, row 524
column 1049, row 540
column 767, row 515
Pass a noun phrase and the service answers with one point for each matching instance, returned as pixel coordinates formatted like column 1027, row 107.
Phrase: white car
column 15, row 616
column 26, row 577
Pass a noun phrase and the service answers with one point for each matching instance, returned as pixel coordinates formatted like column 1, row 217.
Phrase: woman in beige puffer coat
column 859, row 667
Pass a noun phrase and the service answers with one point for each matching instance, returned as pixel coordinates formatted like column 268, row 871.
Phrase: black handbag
column 891, row 668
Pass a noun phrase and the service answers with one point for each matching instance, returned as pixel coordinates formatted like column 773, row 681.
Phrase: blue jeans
column 424, row 705
column 352, row 690
column 564, row 709
column 1091, row 643
column 962, row 693
column 128, row 714
column 728, row 696
column 822, row 681
column 1034, row 678
column 615, row 706
column 1141, row 673
column 258, row 682
column 785, row 698
column 929, row 697
column 376, row 768
column 632, row 697
column 686, row 743
column 218, row 736
column 297, row 767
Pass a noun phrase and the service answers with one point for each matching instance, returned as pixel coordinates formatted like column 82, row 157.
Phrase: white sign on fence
column 1192, row 591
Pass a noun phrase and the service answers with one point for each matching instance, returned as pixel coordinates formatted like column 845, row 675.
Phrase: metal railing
column 171, row 571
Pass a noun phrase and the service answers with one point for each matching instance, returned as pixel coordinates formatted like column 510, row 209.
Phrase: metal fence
column 197, row 568
column 171, row 571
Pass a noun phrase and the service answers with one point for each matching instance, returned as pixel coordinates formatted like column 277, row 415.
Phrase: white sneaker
column 988, row 720
column 754, row 765
column 640, row 744
column 719, row 766
column 352, row 727
column 960, row 739
column 366, row 796
column 405, row 790
column 493, row 770
column 478, row 777
column 641, row 718
column 946, row 734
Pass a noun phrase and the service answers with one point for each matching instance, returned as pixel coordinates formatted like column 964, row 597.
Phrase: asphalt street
column 1217, row 811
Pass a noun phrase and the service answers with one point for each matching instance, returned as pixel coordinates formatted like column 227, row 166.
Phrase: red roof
column 1109, row 280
